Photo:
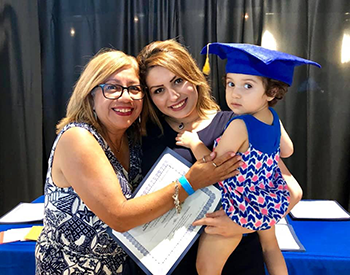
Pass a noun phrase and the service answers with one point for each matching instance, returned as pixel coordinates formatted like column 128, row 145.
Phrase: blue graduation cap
column 256, row 60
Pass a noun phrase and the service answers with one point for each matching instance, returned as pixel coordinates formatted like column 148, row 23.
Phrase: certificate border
column 167, row 150
column 294, row 235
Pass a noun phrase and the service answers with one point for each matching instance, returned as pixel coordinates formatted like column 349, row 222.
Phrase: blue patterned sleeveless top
column 258, row 197
column 74, row 240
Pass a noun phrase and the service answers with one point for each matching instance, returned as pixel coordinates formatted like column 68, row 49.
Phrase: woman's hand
column 210, row 170
column 220, row 224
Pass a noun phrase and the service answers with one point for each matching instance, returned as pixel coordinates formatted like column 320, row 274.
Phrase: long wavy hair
column 171, row 55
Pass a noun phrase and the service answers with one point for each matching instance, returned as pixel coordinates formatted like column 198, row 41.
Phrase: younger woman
column 257, row 198
column 181, row 100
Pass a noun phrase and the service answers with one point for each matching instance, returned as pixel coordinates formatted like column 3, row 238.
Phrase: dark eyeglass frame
column 102, row 86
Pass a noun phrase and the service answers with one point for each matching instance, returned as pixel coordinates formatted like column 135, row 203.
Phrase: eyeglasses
column 115, row 91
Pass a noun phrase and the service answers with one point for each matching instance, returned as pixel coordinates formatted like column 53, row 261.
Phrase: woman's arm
column 80, row 162
column 286, row 145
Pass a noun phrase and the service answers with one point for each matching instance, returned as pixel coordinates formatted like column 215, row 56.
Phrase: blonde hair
column 172, row 56
column 104, row 64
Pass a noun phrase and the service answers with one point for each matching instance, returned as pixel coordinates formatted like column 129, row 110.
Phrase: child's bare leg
column 272, row 254
column 213, row 252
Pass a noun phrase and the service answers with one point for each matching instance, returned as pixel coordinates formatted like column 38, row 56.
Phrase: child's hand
column 191, row 140
column 187, row 139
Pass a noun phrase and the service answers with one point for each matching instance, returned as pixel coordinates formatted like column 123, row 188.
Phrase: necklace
column 182, row 124
column 117, row 149
column 112, row 146
column 120, row 146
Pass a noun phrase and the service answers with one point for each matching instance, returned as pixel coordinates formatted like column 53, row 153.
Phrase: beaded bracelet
column 186, row 185
column 177, row 204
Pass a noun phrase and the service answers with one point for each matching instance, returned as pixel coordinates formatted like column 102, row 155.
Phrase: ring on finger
column 203, row 158
column 214, row 164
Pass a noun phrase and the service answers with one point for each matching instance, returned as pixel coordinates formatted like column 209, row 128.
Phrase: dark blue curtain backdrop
column 45, row 43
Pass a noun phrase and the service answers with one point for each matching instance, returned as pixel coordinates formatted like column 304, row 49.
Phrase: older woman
column 181, row 100
column 93, row 167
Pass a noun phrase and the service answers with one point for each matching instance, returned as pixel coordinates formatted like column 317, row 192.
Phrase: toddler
column 257, row 198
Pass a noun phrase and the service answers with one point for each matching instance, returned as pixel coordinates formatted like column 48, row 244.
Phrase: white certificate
column 286, row 238
column 24, row 212
column 159, row 245
column 319, row 210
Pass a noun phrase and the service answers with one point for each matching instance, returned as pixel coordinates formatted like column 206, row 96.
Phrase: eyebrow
column 250, row 79
column 244, row 79
column 118, row 82
column 156, row 86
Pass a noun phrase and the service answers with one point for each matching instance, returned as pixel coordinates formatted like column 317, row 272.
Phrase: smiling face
column 245, row 94
column 117, row 115
column 172, row 95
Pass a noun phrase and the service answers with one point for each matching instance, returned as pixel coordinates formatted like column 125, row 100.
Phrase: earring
column 140, row 119
column 95, row 115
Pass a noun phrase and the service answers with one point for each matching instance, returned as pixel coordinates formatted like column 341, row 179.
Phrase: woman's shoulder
column 221, row 119
column 81, row 130
column 79, row 125
column 215, row 128
column 224, row 116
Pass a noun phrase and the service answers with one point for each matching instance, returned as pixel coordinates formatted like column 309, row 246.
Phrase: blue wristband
column 186, row 185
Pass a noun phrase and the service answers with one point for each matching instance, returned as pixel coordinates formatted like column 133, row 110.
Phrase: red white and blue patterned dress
column 258, row 197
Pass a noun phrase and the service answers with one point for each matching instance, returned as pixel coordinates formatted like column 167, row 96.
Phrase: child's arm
column 191, row 140
column 272, row 254
column 295, row 191
column 286, row 145
column 235, row 138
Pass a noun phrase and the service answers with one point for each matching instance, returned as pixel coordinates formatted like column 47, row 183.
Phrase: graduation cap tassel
column 206, row 67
